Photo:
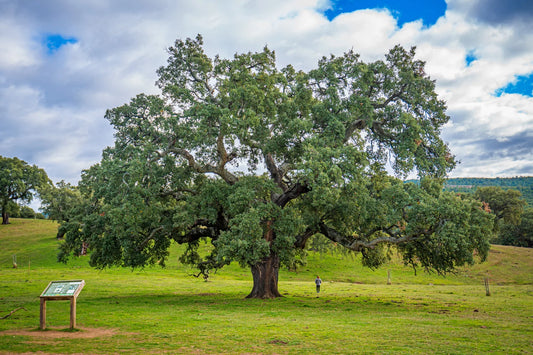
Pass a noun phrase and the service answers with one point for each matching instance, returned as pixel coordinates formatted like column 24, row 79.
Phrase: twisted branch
column 357, row 244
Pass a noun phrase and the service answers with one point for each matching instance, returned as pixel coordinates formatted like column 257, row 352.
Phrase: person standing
column 318, row 282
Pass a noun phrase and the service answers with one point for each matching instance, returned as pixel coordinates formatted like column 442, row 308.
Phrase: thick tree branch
column 220, row 171
column 360, row 123
column 203, row 228
column 275, row 173
column 394, row 96
column 301, row 239
column 222, row 153
column 357, row 124
column 293, row 192
column 150, row 237
column 377, row 128
column 357, row 244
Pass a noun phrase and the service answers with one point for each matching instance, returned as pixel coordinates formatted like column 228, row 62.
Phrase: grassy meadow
column 166, row 310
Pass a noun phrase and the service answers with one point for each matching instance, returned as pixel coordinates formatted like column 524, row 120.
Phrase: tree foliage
column 521, row 234
column 19, row 182
column 524, row 184
column 258, row 159
column 60, row 203
column 21, row 211
column 507, row 204
column 513, row 222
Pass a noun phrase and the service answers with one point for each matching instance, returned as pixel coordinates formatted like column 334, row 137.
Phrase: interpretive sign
column 61, row 290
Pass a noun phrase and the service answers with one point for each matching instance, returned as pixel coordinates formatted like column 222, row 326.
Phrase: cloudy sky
column 63, row 63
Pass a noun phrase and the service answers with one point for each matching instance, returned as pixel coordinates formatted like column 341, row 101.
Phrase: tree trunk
column 265, row 275
column 5, row 217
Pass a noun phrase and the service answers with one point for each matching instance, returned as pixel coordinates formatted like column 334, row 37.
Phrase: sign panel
column 63, row 288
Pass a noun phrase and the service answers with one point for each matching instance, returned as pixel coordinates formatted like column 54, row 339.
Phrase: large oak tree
column 257, row 159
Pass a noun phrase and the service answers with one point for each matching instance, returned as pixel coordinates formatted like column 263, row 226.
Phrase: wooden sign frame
column 61, row 290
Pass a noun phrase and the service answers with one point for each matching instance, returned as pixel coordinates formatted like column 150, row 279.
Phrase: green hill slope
column 31, row 241
column 524, row 184
column 35, row 246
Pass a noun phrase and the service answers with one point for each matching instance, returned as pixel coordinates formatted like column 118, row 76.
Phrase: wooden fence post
column 487, row 290
column 388, row 278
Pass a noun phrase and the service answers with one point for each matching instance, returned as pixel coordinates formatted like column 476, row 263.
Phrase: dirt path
column 82, row 333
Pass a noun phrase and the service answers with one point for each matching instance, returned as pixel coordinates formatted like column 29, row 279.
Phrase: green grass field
column 157, row 310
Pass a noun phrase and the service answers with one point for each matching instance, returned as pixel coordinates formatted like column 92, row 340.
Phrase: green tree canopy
column 513, row 222
column 521, row 234
column 19, row 182
column 506, row 204
column 257, row 159
column 60, row 202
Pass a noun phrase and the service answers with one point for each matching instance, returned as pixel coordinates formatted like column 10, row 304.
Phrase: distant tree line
column 510, row 199
column 523, row 184
column 22, row 211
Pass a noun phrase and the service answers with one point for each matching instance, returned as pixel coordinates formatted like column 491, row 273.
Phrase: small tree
column 27, row 212
column 60, row 203
column 19, row 182
column 257, row 160
column 521, row 234
column 506, row 204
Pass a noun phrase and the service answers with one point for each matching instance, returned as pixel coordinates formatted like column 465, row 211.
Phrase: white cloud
column 18, row 49
column 55, row 138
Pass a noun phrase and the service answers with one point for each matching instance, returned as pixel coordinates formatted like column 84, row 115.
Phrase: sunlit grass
column 167, row 311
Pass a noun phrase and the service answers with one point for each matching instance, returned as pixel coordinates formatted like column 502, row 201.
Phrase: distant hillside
column 523, row 184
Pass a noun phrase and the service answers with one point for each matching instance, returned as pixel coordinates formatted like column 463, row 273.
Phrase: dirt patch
column 80, row 333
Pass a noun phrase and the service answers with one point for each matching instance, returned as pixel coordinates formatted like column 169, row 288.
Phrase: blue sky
column 53, row 42
column 429, row 11
column 64, row 63
column 523, row 85
column 470, row 58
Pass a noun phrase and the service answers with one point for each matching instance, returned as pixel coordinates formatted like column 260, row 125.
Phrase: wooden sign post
column 61, row 290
